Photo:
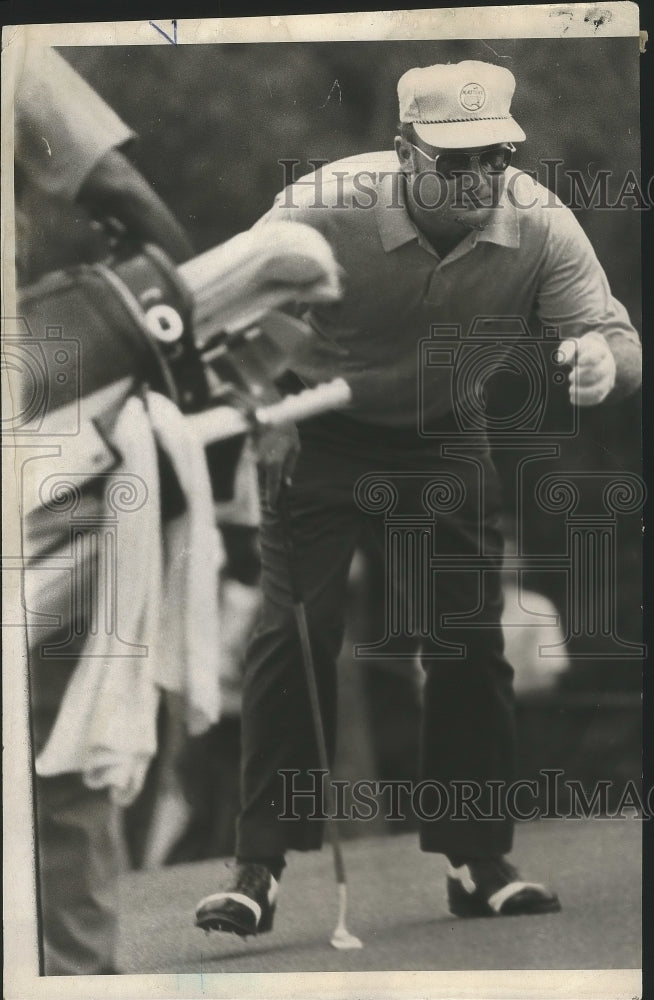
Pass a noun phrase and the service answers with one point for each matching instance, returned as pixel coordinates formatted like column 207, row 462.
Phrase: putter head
column 344, row 941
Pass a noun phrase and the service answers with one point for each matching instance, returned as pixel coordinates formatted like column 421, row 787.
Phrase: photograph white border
column 616, row 19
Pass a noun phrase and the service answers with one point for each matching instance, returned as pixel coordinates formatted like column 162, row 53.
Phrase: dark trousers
column 351, row 476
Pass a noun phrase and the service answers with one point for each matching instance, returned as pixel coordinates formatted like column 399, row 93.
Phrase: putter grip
column 223, row 422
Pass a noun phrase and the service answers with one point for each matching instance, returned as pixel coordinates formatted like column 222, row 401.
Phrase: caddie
column 69, row 151
column 438, row 233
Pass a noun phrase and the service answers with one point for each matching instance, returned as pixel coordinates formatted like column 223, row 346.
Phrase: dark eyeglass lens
column 495, row 159
column 451, row 164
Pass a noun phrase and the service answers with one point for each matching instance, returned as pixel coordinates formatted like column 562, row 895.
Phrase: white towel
column 189, row 651
column 106, row 725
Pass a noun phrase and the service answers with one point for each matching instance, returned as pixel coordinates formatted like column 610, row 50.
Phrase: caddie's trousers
column 80, row 849
column 434, row 507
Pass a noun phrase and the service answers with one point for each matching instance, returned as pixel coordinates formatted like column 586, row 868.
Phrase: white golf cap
column 460, row 105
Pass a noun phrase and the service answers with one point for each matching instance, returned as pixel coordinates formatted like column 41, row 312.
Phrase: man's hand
column 277, row 448
column 593, row 368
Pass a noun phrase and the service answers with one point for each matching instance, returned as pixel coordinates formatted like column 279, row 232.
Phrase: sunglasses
column 493, row 160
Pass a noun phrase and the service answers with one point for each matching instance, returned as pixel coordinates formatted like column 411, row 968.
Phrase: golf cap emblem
column 472, row 96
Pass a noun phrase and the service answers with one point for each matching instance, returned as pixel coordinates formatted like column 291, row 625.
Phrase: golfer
column 439, row 232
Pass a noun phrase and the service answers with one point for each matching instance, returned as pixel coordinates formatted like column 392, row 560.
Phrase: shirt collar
column 503, row 227
column 396, row 228
column 393, row 221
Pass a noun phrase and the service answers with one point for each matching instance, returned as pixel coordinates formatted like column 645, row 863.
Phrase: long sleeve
column 575, row 297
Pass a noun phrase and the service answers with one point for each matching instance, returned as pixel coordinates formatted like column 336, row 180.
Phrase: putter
column 341, row 938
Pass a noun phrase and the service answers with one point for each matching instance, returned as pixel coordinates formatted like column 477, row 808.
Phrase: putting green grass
column 397, row 906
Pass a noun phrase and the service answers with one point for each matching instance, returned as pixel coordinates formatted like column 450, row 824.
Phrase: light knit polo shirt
column 531, row 259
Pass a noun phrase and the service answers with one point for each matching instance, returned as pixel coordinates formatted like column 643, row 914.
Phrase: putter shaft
column 341, row 933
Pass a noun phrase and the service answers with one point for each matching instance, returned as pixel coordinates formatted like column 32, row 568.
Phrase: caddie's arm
column 599, row 342
column 115, row 188
column 71, row 144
